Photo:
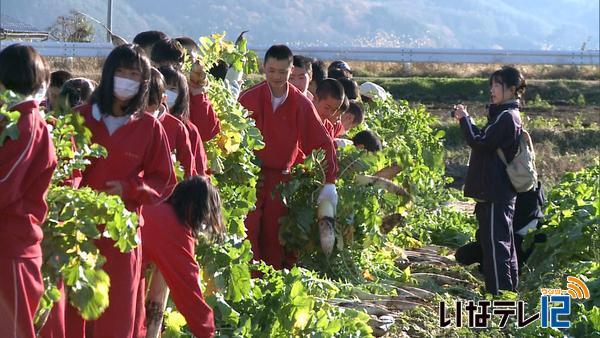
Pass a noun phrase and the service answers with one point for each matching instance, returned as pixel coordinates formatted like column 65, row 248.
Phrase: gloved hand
column 342, row 142
column 234, row 75
column 328, row 193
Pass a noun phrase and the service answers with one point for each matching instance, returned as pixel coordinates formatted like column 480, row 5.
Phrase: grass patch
column 559, row 149
column 434, row 90
column 468, row 70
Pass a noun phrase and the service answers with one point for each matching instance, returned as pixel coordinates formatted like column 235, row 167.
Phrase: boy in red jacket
column 26, row 167
column 353, row 116
column 328, row 101
column 289, row 124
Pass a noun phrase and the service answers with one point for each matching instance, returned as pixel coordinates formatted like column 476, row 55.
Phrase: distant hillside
column 531, row 24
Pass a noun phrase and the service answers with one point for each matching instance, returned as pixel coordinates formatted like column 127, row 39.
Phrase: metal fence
column 432, row 55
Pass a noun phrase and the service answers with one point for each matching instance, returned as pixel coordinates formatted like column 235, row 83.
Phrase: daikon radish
column 382, row 183
column 388, row 172
column 326, row 215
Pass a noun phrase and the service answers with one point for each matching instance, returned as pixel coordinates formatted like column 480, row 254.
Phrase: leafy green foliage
column 8, row 119
column 410, row 141
column 277, row 304
column 231, row 152
column 300, row 301
column 237, row 55
column 72, row 225
column 572, row 247
column 441, row 226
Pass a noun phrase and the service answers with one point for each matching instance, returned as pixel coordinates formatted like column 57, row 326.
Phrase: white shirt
column 112, row 123
column 277, row 101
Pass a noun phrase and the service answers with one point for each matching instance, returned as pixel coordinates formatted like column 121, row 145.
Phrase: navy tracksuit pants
column 500, row 265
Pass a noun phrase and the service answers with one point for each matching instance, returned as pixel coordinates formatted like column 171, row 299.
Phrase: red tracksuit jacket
column 26, row 167
column 330, row 128
column 179, row 141
column 139, row 145
column 293, row 127
column 197, row 149
column 170, row 245
column 338, row 129
column 203, row 116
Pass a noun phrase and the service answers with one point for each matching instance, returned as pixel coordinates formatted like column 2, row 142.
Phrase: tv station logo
column 554, row 311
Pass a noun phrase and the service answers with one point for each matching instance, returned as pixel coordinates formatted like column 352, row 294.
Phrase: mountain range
column 501, row 24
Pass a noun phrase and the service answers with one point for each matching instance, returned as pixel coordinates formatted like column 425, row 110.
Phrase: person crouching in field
column 289, row 124
column 528, row 216
column 168, row 238
column 487, row 181
column 27, row 163
column 353, row 117
column 138, row 168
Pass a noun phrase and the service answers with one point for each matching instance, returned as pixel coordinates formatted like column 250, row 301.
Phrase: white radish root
column 382, row 183
column 327, row 235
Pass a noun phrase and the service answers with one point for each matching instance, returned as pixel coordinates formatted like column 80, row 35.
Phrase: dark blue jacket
column 487, row 179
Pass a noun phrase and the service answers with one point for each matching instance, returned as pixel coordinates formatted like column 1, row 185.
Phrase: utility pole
column 109, row 20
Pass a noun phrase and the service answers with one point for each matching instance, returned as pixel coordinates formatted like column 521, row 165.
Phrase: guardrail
column 432, row 55
column 66, row 49
column 442, row 55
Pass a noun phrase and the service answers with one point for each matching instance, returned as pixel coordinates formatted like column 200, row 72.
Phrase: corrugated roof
column 10, row 24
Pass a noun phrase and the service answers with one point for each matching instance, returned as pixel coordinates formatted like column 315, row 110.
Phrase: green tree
column 74, row 27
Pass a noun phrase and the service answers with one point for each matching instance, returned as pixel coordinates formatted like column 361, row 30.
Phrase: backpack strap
column 501, row 155
column 527, row 137
column 498, row 150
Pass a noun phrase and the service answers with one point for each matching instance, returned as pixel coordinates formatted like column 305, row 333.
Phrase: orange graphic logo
column 577, row 289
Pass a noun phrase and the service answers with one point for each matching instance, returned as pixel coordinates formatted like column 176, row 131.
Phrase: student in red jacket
column 328, row 100
column 202, row 114
column 289, row 124
column 302, row 74
column 167, row 52
column 179, row 138
column 136, row 143
column 169, row 237
column 57, row 79
column 353, row 116
column 26, row 167
column 178, row 99
column 147, row 39
column 318, row 74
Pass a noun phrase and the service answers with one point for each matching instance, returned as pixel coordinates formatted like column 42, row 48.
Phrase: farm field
column 392, row 262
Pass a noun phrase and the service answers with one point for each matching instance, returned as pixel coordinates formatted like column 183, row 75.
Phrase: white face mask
column 171, row 97
column 124, row 88
column 40, row 95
